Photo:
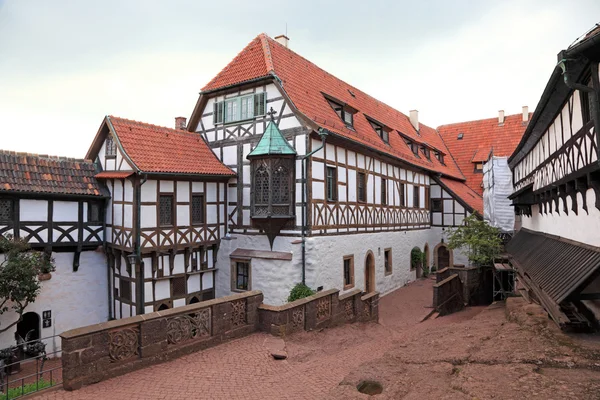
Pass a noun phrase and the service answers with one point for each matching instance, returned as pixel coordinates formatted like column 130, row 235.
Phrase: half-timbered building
column 57, row 206
column 557, row 190
column 481, row 149
column 165, row 217
column 347, row 193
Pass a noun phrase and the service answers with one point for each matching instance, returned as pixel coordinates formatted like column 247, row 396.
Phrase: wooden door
column 443, row 257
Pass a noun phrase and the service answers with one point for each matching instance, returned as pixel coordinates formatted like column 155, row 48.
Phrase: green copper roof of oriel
column 272, row 143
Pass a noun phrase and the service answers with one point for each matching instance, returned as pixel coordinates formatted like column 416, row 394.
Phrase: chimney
column 180, row 123
column 501, row 117
column 414, row 119
column 525, row 114
column 282, row 39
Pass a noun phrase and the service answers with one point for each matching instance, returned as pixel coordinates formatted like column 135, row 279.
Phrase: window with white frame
column 240, row 108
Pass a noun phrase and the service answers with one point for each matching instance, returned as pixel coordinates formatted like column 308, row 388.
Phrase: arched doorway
column 29, row 327
column 369, row 272
column 443, row 256
column 194, row 300
column 416, row 261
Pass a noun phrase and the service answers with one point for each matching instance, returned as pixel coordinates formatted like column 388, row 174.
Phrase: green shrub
column 28, row 388
column 300, row 291
column 425, row 271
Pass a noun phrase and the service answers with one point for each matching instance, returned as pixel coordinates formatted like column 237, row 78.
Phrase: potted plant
column 46, row 268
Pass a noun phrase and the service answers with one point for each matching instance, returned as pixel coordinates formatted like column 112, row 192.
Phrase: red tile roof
column 156, row 149
column 305, row 84
column 463, row 191
column 113, row 174
column 34, row 173
column 480, row 139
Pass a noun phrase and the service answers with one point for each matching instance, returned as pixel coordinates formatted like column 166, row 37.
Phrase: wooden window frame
column 387, row 261
column 350, row 259
column 384, row 196
column 12, row 212
column 120, row 293
column 333, row 194
column 427, row 198
column 258, row 109
column 110, row 152
column 342, row 112
column 173, row 206
column 171, row 283
column 361, row 195
column 203, row 206
column 98, row 204
column 402, row 195
column 234, row 274
column 416, row 196
column 478, row 170
column 437, row 209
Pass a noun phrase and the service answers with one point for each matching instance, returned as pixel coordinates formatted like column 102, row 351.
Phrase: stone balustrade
column 97, row 352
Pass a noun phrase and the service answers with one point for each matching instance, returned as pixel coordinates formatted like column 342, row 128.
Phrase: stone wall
column 323, row 309
column 448, row 295
column 98, row 352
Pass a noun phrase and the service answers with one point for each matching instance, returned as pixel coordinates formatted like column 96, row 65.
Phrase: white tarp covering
column 497, row 186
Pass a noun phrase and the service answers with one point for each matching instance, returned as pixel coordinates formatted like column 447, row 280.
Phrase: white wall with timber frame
column 232, row 142
column 558, row 168
column 446, row 211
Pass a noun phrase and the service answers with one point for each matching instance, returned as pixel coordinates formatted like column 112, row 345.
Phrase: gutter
column 323, row 134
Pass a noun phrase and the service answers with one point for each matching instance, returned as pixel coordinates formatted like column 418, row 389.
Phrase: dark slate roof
column 34, row 173
column 558, row 266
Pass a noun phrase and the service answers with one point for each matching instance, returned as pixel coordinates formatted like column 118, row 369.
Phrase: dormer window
column 413, row 147
column 478, row 168
column 380, row 130
column 240, row 108
column 460, row 136
column 426, row 152
column 343, row 111
column 439, row 156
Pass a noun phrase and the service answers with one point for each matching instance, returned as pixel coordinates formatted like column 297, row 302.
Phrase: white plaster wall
column 324, row 263
column 34, row 210
column 582, row 227
column 76, row 299
column 65, row 211
column 275, row 278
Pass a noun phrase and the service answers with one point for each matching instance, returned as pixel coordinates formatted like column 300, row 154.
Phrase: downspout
column 595, row 106
column 323, row 134
column 138, row 247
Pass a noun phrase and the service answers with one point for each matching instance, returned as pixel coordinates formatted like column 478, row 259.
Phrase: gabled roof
column 156, row 149
column 42, row 174
column 306, row 85
column 272, row 142
column 480, row 139
column 459, row 189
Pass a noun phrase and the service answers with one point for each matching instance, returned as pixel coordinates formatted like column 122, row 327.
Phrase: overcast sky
column 65, row 64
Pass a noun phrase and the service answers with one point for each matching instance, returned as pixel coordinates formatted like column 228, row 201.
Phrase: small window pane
column 197, row 209
column 331, row 184
column 166, row 210
column 242, row 275
column 383, row 191
column 6, row 211
column 416, row 198
column 178, row 286
column 436, row 205
column 125, row 287
column 247, row 107
column 347, row 273
column 402, row 195
column 348, row 118
column 362, row 190
column 387, row 255
column 111, row 146
column 94, row 212
column 231, row 110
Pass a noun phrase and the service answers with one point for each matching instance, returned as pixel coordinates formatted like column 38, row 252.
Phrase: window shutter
column 218, row 113
column 260, row 104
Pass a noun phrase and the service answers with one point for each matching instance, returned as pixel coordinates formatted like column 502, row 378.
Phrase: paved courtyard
column 473, row 354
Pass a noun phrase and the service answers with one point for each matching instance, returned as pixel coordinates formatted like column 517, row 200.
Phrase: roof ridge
column 180, row 131
column 481, row 119
column 267, row 52
column 44, row 156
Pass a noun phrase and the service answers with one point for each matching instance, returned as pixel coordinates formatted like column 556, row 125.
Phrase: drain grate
column 371, row 388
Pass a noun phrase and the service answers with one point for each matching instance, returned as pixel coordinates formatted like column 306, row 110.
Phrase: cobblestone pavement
column 462, row 356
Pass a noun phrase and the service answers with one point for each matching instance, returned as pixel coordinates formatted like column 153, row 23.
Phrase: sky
column 64, row 64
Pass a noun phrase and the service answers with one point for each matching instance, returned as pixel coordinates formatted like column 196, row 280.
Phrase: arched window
column 281, row 186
